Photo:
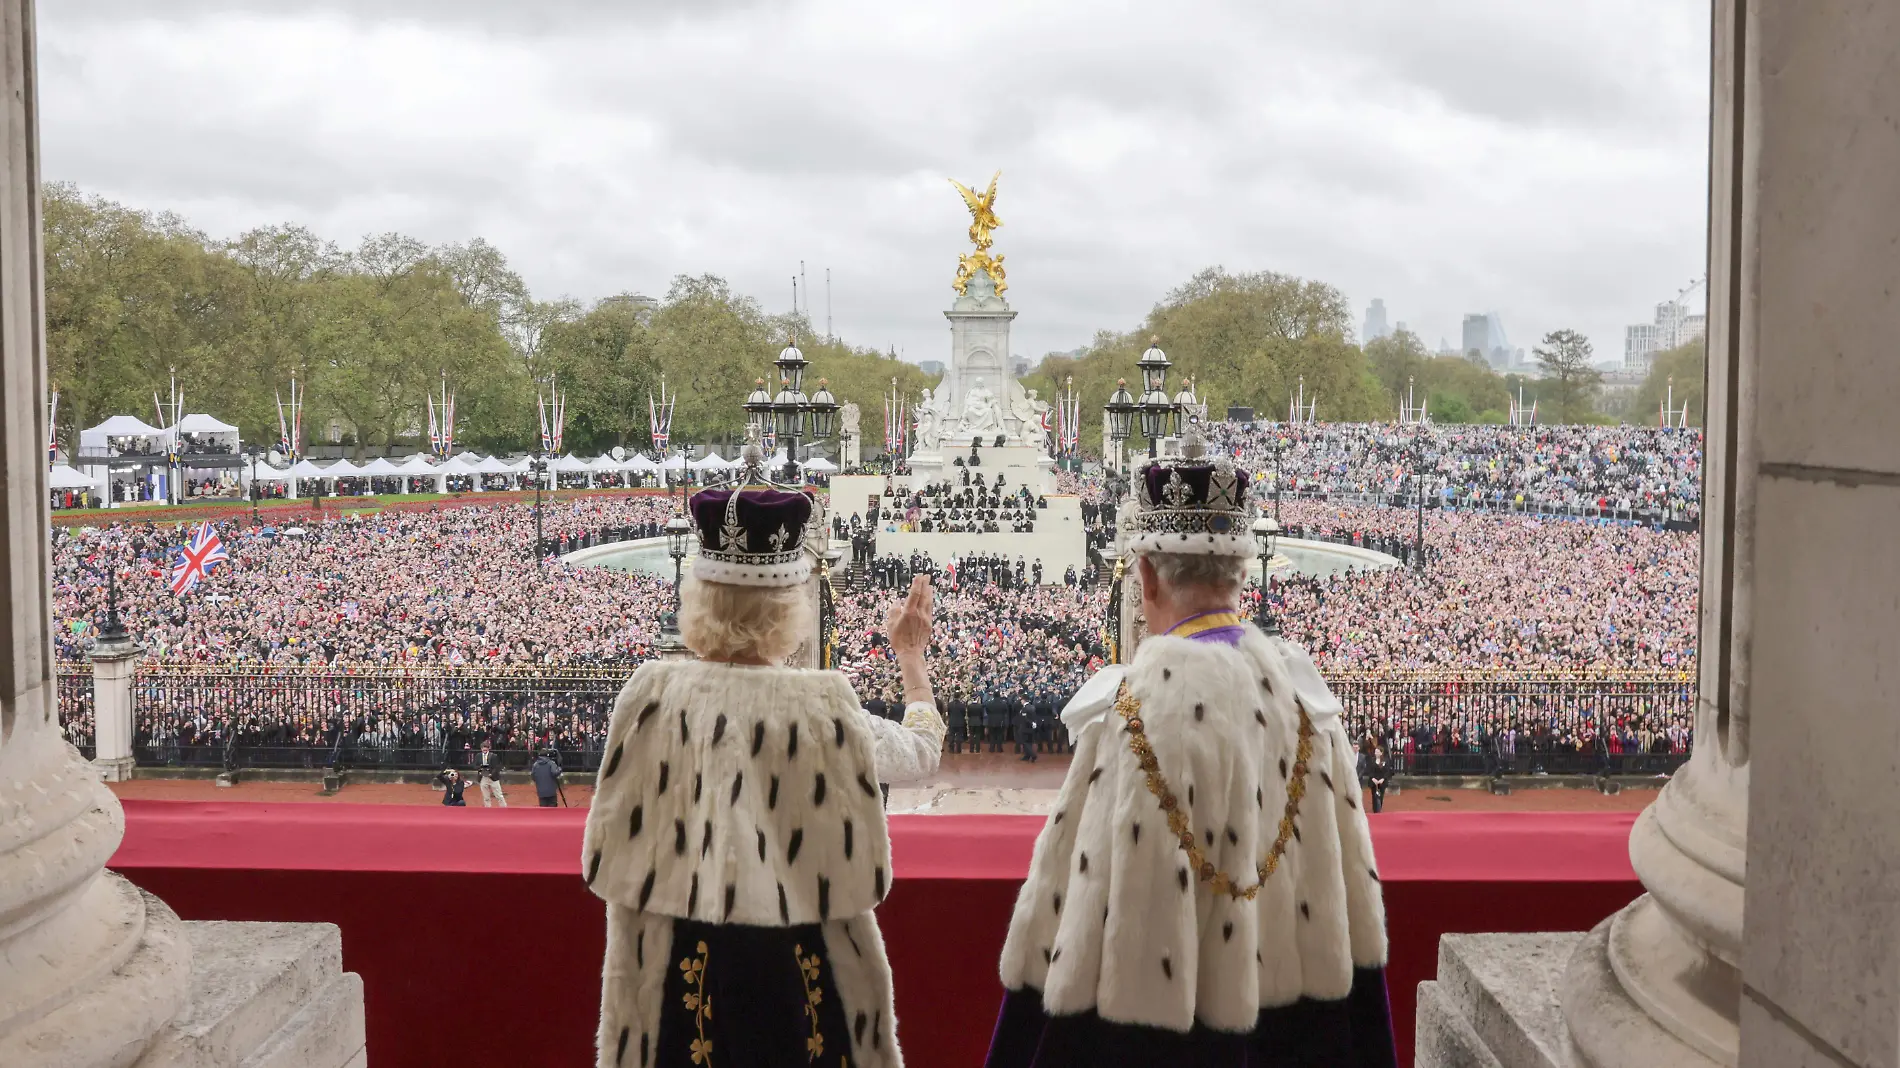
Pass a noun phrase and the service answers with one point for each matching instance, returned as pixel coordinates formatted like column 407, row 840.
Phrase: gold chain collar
column 1223, row 883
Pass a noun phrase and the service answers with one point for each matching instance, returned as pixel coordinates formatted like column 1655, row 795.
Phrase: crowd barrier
column 377, row 717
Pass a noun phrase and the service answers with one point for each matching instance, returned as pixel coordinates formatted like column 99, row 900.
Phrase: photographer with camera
column 546, row 772
column 452, row 787
column 489, row 772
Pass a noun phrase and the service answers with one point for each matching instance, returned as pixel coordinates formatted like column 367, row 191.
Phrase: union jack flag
column 202, row 553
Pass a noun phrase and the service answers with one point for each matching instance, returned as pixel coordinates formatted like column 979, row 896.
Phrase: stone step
column 258, row 986
column 329, row 1030
column 1503, row 989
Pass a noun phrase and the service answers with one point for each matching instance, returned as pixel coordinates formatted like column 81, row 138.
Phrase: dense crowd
column 456, row 587
column 1638, row 471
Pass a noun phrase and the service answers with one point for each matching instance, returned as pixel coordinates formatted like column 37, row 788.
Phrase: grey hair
column 1226, row 574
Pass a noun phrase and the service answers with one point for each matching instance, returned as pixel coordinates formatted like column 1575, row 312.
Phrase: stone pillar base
column 114, row 769
column 265, row 995
column 1495, row 1004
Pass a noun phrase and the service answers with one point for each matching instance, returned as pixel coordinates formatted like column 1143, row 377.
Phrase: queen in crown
column 737, row 832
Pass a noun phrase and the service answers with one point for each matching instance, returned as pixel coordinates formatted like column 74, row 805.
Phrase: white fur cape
column 738, row 795
column 1111, row 919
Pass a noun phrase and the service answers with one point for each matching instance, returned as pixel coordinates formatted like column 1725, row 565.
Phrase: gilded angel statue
column 983, row 218
column 983, row 222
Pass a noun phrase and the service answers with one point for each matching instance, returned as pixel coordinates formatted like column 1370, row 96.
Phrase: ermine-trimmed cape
column 740, row 795
column 1113, row 922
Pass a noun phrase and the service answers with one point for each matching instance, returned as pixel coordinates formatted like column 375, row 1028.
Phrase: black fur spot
column 1056, row 956
column 1058, row 904
column 732, row 892
column 818, row 790
column 1094, row 775
column 784, row 914
column 1058, row 816
column 857, row 1028
column 1200, row 712
column 640, row 949
column 719, row 728
column 1305, row 912
column 1227, row 931
column 1210, row 836
column 880, row 882
column 643, row 1049
column 1232, row 838
column 865, row 784
column 685, row 734
column 791, row 747
column 1375, row 875
column 641, row 720
column 1296, row 833
column 613, row 765
column 1137, row 832
column 1048, row 957
column 791, row 849
column 853, row 939
column 1283, row 767
column 1352, row 803
column 838, row 726
column 1260, row 717
column 1266, row 684
column 847, row 839
column 1190, row 794
column 699, row 786
column 1167, row 967
column 1166, row 674
column 771, row 799
column 665, row 772
column 705, row 840
column 679, row 838
column 692, row 897
column 1259, row 797
column 633, row 822
column 761, row 847
column 738, row 780
column 646, row 888
column 1084, row 866
column 824, row 899
column 1327, row 779
column 593, row 868
column 1181, row 875
column 758, row 738
column 621, row 1050
column 877, row 1030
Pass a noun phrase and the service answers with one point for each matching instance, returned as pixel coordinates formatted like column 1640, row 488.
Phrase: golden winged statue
column 983, row 222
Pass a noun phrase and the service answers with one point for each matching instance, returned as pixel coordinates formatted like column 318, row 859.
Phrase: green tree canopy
column 1677, row 376
column 1570, row 381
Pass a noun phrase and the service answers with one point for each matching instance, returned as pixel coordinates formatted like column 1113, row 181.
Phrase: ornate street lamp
column 538, row 466
column 1265, row 533
column 1184, row 403
column 1157, row 411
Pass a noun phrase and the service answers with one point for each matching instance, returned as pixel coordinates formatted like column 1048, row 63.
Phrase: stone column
column 91, row 970
column 115, row 659
column 1770, row 933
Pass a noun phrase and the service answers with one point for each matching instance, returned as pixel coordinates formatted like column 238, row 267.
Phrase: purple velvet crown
column 1193, row 505
column 752, row 536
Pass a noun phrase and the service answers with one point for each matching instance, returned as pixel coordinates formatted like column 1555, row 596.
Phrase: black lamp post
column 1418, row 475
column 1118, row 413
column 113, row 631
column 758, row 408
column 793, row 416
column 1265, row 531
column 538, row 466
column 253, row 452
column 678, row 529
column 1279, row 443
column 1158, row 413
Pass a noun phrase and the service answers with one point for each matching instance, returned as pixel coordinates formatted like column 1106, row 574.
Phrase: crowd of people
column 1639, row 472
column 455, row 590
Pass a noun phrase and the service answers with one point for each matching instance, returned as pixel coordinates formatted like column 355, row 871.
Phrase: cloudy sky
column 1543, row 160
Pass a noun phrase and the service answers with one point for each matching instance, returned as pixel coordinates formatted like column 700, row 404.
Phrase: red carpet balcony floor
column 478, row 943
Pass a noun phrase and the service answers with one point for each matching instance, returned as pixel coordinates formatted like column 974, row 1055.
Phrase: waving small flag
column 203, row 552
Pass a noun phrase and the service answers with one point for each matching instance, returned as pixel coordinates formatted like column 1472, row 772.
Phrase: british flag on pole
column 195, row 561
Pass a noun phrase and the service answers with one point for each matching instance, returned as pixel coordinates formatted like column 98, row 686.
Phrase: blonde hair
column 721, row 621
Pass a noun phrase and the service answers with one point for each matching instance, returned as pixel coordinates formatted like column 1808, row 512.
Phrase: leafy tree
column 1679, row 373
column 1569, row 379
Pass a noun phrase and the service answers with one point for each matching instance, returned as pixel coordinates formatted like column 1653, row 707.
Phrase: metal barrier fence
column 427, row 719
column 363, row 717
column 74, row 697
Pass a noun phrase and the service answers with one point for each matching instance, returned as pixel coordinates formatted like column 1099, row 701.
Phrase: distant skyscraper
column 930, row 367
column 1376, row 327
column 1484, row 335
column 1674, row 327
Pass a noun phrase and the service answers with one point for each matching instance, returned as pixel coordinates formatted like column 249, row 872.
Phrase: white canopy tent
column 493, row 466
column 342, row 469
column 640, row 462
column 380, row 467
column 605, row 464
column 267, row 473
column 712, row 461
column 417, row 466
column 820, row 465
column 569, row 464
column 63, row 477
